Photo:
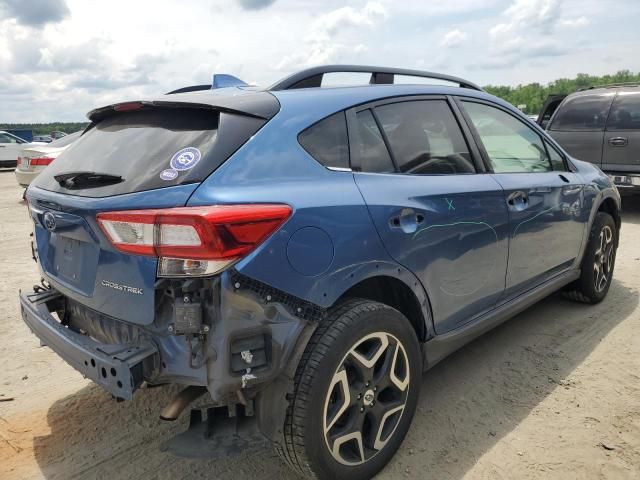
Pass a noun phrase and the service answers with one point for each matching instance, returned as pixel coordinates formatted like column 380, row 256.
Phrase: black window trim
column 474, row 151
column 544, row 137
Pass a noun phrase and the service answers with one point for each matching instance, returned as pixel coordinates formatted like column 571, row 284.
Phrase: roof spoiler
column 220, row 80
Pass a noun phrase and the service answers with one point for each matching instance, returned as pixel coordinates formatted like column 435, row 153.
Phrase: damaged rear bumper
column 120, row 369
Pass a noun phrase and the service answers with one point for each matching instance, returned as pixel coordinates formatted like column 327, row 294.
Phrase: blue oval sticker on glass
column 185, row 159
column 168, row 174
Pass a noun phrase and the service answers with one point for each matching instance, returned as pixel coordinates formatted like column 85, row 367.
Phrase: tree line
column 531, row 95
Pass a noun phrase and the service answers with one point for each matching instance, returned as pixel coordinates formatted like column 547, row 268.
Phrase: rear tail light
column 192, row 241
column 40, row 161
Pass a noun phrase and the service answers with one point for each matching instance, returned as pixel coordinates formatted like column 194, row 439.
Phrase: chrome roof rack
column 312, row 77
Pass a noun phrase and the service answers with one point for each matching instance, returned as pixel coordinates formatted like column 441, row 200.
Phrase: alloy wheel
column 366, row 398
column 604, row 257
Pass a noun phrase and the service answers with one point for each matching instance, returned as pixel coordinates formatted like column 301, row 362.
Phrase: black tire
column 318, row 399
column 597, row 264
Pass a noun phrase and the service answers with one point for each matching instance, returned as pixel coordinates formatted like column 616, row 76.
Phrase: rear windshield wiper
column 78, row 180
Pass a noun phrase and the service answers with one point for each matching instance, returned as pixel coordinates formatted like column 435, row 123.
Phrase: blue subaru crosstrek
column 300, row 254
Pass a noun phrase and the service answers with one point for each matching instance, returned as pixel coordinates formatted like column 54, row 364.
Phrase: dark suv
column 602, row 126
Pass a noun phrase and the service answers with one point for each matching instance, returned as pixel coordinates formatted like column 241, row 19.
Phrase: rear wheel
column 598, row 262
column 356, row 390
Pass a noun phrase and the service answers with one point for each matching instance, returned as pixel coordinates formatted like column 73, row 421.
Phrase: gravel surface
column 553, row 393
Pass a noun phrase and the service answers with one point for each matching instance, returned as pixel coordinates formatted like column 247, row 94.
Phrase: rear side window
column 152, row 148
column 512, row 146
column 372, row 154
column 425, row 138
column 582, row 112
column 327, row 141
column 625, row 112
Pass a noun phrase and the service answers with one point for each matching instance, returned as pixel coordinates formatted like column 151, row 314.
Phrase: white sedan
column 32, row 160
column 10, row 147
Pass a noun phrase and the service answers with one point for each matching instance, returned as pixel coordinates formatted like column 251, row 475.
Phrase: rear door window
column 582, row 112
column 625, row 112
column 327, row 141
column 152, row 148
column 425, row 138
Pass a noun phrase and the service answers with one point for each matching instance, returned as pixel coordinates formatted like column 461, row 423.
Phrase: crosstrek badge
column 185, row 159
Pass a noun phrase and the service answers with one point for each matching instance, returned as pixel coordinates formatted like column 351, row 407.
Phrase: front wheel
column 597, row 263
column 356, row 390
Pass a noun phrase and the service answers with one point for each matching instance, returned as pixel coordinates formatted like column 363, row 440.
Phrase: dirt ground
column 553, row 393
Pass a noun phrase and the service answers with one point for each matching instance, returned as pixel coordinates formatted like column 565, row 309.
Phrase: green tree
column 533, row 95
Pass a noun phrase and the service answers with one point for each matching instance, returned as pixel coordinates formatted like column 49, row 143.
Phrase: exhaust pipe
column 181, row 401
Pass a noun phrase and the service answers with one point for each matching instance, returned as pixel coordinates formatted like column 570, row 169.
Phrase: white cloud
column 524, row 34
column 326, row 38
column 575, row 22
column 60, row 66
column 453, row 38
column 525, row 19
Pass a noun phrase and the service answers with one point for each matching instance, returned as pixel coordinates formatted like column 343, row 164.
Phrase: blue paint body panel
column 458, row 251
column 549, row 228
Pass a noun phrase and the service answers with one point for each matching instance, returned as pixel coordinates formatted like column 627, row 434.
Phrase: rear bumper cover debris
column 119, row 369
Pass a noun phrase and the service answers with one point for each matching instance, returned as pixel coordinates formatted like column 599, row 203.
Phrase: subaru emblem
column 49, row 221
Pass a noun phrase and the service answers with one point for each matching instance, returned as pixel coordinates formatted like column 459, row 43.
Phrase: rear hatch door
column 141, row 157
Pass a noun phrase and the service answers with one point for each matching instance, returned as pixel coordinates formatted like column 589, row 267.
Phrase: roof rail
column 611, row 85
column 312, row 77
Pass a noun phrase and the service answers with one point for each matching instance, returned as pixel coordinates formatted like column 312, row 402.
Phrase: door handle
column 408, row 220
column 619, row 141
column 518, row 198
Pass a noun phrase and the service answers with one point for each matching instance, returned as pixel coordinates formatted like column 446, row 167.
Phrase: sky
column 61, row 58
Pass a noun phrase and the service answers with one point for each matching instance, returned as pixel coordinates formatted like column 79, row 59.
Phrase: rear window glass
column 625, row 112
column 582, row 112
column 152, row 148
column 327, row 142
